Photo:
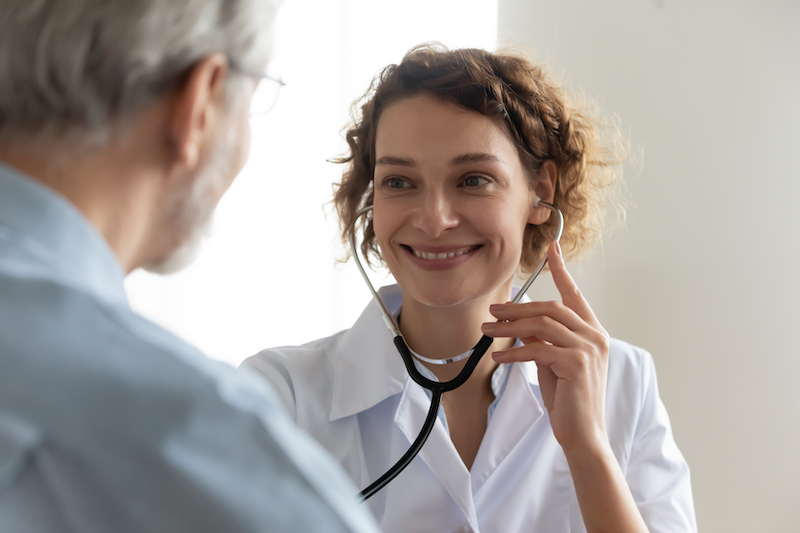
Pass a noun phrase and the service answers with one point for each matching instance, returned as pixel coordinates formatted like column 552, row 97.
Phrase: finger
column 541, row 354
column 570, row 293
column 543, row 328
column 556, row 310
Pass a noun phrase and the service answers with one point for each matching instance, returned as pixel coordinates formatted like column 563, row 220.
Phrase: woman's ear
column 545, row 190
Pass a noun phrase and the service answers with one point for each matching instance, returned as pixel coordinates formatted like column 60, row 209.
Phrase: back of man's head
column 71, row 71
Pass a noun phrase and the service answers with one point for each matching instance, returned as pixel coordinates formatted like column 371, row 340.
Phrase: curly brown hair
column 541, row 120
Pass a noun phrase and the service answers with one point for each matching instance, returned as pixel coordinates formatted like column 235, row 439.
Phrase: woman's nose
column 435, row 214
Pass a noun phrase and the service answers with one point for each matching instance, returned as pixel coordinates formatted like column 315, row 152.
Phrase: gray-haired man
column 122, row 122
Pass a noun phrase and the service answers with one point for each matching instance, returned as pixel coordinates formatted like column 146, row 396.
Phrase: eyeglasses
column 266, row 93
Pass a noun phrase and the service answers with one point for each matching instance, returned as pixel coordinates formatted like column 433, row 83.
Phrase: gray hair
column 75, row 68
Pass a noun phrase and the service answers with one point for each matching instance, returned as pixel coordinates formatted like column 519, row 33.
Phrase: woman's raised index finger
column 571, row 295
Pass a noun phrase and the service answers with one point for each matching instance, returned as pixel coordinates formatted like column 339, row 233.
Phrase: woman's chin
column 447, row 296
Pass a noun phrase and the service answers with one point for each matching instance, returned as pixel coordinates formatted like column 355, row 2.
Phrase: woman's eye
column 396, row 183
column 475, row 181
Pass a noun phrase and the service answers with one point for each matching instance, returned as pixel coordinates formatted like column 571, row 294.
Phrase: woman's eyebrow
column 474, row 157
column 471, row 157
column 396, row 161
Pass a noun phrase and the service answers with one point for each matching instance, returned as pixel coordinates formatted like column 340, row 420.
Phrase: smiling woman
column 561, row 428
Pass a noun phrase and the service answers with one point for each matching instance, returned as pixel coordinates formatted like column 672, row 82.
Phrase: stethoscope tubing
column 437, row 388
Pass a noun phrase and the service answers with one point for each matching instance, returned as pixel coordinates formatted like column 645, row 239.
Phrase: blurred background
column 703, row 274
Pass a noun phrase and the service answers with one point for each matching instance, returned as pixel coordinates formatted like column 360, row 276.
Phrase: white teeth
column 443, row 255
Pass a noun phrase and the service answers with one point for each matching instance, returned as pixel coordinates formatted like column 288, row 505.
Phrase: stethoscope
column 437, row 388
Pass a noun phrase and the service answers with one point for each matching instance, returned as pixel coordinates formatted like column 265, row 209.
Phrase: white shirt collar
column 366, row 366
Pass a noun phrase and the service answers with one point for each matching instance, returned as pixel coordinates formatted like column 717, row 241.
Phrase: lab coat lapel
column 439, row 453
column 366, row 366
column 513, row 417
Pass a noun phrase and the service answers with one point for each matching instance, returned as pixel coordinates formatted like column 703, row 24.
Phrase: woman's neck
column 445, row 332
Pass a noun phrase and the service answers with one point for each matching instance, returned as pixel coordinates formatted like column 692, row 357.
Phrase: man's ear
column 195, row 113
column 545, row 190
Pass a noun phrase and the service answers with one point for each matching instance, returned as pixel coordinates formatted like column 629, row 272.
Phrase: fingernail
column 498, row 354
column 497, row 307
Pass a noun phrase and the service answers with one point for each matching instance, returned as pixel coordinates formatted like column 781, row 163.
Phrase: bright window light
column 267, row 276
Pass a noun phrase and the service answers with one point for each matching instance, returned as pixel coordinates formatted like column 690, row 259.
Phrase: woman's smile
column 439, row 257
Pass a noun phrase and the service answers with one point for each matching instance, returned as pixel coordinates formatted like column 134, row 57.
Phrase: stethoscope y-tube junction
column 437, row 388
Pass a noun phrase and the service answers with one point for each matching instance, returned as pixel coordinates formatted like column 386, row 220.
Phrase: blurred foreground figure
column 122, row 122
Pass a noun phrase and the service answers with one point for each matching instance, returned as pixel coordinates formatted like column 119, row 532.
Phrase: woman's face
column 452, row 201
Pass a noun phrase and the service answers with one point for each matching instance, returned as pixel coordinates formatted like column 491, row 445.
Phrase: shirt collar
column 52, row 239
column 366, row 366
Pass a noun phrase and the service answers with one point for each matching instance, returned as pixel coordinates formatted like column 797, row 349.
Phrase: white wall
column 706, row 272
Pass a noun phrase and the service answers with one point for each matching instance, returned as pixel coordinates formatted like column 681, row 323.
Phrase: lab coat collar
column 366, row 366
column 368, row 370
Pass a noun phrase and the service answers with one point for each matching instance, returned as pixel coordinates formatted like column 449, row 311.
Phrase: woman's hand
column 570, row 349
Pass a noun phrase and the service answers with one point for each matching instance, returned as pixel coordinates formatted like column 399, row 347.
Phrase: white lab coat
column 351, row 392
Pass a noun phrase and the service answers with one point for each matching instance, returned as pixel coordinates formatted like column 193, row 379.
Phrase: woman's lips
column 440, row 253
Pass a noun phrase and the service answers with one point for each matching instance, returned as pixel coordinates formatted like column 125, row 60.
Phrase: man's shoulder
column 118, row 405
column 49, row 321
column 112, row 367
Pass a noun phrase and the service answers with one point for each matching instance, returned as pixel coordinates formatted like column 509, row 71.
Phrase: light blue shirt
column 110, row 424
